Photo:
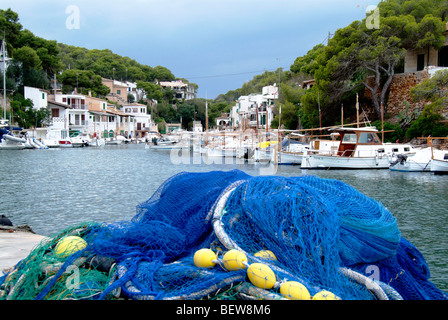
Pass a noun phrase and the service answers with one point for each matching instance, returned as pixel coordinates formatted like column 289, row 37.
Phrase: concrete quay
column 15, row 245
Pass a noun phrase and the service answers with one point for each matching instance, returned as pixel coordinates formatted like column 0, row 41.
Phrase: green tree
column 162, row 74
column 186, row 112
column 167, row 112
column 152, row 91
column 28, row 57
column 9, row 22
column 308, row 63
column 24, row 114
column 84, row 81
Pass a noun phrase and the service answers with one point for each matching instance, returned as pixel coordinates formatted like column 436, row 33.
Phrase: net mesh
column 312, row 228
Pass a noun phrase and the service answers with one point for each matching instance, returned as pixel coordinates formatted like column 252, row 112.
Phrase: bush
column 427, row 124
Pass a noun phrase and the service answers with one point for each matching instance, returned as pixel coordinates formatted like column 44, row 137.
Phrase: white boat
column 439, row 166
column 57, row 138
column 29, row 144
column 359, row 148
column 117, row 141
column 166, row 145
column 79, row 141
column 8, row 140
column 420, row 161
column 96, row 142
column 40, row 144
column 290, row 151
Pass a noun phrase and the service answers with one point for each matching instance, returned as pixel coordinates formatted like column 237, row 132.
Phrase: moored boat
column 359, row 148
column 8, row 139
column 439, row 166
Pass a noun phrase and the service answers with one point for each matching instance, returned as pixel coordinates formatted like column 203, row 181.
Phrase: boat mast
column 4, row 76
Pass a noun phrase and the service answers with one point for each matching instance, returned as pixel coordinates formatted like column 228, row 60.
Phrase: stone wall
column 399, row 93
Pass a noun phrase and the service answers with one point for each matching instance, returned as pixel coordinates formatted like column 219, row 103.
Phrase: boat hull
column 290, row 158
column 439, row 166
column 10, row 142
column 311, row 161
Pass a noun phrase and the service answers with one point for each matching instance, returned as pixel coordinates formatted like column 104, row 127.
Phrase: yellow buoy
column 204, row 258
column 266, row 254
column 294, row 290
column 325, row 295
column 261, row 275
column 234, row 260
column 69, row 245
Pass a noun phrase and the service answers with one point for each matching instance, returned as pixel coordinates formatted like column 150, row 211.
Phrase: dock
column 15, row 245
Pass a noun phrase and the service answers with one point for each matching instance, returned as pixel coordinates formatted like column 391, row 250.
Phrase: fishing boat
column 359, row 148
column 440, row 166
column 439, row 158
column 428, row 159
column 163, row 144
column 417, row 162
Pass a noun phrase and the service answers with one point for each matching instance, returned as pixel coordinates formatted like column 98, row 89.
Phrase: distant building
column 244, row 114
column 419, row 59
column 118, row 90
column 78, row 111
column 143, row 123
column 38, row 96
column 182, row 90
column 308, row 84
column 197, row 126
column 223, row 121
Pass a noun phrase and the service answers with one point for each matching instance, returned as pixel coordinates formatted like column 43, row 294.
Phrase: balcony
column 78, row 106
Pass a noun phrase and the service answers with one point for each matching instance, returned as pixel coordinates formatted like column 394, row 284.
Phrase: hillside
column 361, row 60
column 110, row 65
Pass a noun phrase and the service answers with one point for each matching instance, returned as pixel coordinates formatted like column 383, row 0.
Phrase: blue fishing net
column 315, row 227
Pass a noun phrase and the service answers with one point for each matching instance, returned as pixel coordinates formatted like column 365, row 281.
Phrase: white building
column 38, row 96
column 244, row 113
column 58, row 128
column 78, row 111
column 182, row 90
column 142, row 120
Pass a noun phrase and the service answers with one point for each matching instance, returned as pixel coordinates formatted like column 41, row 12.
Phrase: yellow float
column 69, row 245
column 325, row 295
column 205, row 258
column 261, row 276
column 234, row 260
column 294, row 290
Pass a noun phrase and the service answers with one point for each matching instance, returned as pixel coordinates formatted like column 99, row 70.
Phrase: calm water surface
column 57, row 188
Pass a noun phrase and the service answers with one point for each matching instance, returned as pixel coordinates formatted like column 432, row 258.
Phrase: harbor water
column 56, row 188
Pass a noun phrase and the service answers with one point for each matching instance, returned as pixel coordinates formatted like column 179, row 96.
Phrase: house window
column 118, row 91
column 55, row 113
column 64, row 99
column 43, row 96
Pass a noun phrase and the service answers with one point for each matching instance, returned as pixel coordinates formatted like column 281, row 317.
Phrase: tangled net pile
column 323, row 234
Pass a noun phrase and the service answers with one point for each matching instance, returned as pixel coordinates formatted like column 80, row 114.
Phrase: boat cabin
column 353, row 138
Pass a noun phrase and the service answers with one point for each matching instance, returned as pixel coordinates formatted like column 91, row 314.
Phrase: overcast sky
column 218, row 44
